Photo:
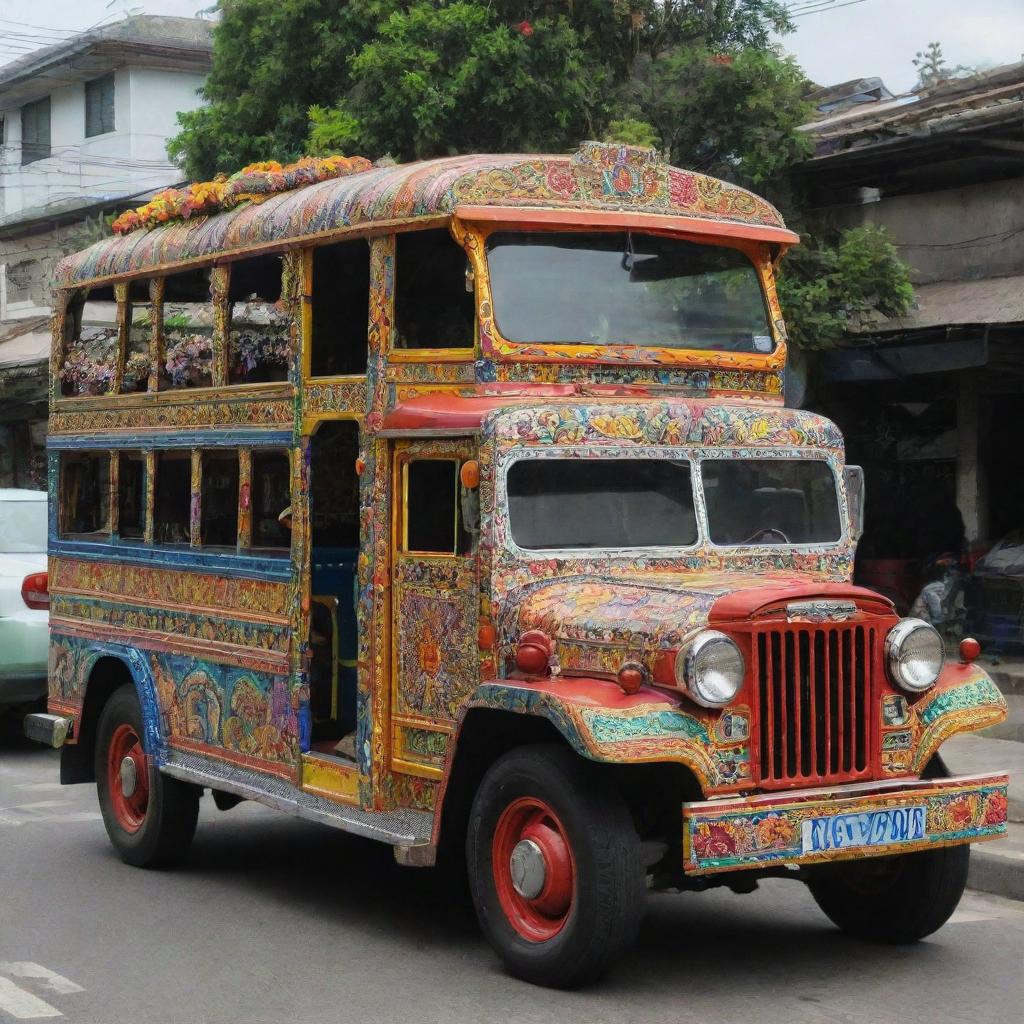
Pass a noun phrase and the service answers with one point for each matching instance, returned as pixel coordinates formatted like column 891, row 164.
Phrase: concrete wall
column 128, row 160
column 953, row 235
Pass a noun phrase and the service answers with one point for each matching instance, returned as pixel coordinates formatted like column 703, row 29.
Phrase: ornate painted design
column 168, row 588
column 169, row 410
column 598, row 177
column 728, row 836
column 212, row 706
column 325, row 398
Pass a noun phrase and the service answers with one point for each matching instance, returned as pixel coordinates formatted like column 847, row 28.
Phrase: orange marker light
column 360, row 467
column 469, row 474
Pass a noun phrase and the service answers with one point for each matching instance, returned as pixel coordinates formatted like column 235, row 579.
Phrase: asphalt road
column 276, row 920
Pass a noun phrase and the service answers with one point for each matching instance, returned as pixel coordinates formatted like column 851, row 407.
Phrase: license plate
column 868, row 828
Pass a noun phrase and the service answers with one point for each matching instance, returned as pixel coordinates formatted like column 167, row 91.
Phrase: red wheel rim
column 537, row 890
column 128, row 778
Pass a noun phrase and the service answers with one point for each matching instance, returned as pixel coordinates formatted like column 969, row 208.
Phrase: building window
column 99, row 106
column 434, row 306
column 85, row 495
column 35, row 131
column 433, row 519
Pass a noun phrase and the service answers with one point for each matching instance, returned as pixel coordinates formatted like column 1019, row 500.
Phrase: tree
column 828, row 288
column 272, row 61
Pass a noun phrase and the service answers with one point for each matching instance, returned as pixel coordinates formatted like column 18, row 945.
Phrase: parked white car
column 24, row 598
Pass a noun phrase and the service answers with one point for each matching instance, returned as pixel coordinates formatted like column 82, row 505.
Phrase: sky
column 853, row 39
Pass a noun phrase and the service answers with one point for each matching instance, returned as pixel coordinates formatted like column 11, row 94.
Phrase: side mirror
column 853, row 476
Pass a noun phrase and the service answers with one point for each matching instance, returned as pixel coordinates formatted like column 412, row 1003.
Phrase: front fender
column 964, row 699
column 602, row 723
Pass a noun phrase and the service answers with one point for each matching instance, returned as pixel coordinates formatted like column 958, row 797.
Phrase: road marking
column 45, row 810
column 51, row 979
column 22, row 1005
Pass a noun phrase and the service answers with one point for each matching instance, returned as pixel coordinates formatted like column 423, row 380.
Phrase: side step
column 400, row 827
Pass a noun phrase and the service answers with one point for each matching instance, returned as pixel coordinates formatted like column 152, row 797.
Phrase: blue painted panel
column 179, row 439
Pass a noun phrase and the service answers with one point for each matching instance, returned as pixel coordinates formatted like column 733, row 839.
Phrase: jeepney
column 456, row 504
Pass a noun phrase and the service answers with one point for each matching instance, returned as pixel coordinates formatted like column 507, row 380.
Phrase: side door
column 435, row 602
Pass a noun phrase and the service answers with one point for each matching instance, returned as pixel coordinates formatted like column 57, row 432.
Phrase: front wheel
column 893, row 900
column 554, row 867
column 150, row 818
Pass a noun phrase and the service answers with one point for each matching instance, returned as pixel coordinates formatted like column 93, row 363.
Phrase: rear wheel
column 554, row 867
column 150, row 818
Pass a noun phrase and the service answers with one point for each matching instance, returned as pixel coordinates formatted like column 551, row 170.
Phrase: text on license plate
column 867, row 828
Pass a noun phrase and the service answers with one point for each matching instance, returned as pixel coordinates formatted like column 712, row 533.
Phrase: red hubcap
column 534, row 871
column 128, row 778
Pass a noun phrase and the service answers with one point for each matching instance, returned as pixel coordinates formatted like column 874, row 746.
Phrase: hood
column 599, row 623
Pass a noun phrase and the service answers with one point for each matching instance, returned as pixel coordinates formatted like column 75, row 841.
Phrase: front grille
column 815, row 688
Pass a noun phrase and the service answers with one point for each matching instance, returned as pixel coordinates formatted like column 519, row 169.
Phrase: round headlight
column 711, row 669
column 913, row 651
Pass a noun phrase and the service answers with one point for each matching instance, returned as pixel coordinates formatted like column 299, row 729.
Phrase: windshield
column 601, row 503
column 770, row 501
column 22, row 527
column 624, row 288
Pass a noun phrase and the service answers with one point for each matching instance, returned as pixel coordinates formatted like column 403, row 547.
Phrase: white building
column 83, row 133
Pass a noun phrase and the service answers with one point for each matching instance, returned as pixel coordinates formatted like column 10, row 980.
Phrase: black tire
column 609, row 884
column 893, row 900
column 168, row 822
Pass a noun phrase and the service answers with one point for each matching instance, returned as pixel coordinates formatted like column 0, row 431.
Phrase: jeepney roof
column 606, row 183
column 567, row 414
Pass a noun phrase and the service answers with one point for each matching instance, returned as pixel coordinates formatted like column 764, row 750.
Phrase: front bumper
column 867, row 819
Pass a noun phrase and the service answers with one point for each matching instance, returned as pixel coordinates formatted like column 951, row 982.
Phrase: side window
column 85, row 495
column 434, row 306
column 259, row 340
column 188, row 331
column 140, row 331
column 271, row 495
column 219, row 500
column 131, row 495
column 99, row 106
column 90, row 343
column 173, row 497
column 341, row 309
column 35, row 131
column 433, row 515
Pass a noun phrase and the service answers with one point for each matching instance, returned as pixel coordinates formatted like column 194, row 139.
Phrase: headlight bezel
column 688, row 674
column 895, row 642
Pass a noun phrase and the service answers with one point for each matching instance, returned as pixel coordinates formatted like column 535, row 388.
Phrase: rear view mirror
column 853, row 476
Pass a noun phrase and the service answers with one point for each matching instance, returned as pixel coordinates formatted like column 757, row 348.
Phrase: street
column 274, row 919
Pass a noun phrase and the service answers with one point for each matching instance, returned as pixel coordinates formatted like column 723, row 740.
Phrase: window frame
column 248, row 476
column 32, row 151
column 91, row 87
column 467, row 354
column 68, row 457
column 457, row 526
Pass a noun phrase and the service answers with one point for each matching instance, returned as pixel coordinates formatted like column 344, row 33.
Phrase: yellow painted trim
column 326, row 777
column 432, row 355
column 306, row 312
column 424, row 771
column 430, row 724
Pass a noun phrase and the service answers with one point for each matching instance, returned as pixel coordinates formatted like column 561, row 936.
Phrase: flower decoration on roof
column 254, row 183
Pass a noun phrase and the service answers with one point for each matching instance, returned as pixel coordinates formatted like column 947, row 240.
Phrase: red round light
column 533, row 652
column 969, row 649
column 631, row 678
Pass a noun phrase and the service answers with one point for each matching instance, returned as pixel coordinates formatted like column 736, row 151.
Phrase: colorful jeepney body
column 819, row 754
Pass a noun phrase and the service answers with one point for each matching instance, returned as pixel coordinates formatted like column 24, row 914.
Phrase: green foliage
column 827, row 290
column 730, row 115
column 272, row 61
column 453, row 78
column 630, row 131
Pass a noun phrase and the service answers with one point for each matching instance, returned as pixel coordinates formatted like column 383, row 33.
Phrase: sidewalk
column 997, row 866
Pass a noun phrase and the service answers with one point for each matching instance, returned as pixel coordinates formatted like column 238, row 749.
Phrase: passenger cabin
column 260, row 409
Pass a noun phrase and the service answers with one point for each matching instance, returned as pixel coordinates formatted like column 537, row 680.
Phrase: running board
column 400, row 827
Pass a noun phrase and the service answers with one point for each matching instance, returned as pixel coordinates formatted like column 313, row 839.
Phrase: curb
column 998, row 867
